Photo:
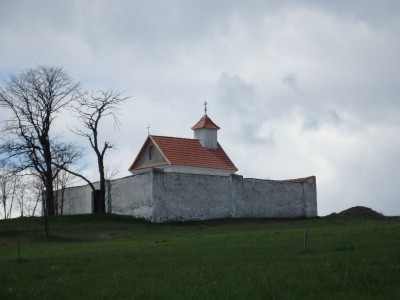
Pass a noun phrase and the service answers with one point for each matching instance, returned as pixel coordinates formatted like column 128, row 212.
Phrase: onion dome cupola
column 205, row 131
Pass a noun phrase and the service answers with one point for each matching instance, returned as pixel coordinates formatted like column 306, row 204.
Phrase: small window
column 151, row 152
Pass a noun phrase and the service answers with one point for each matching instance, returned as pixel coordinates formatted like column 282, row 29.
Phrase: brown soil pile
column 360, row 212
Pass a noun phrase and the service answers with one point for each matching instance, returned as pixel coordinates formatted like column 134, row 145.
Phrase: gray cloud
column 317, row 119
column 237, row 100
column 290, row 79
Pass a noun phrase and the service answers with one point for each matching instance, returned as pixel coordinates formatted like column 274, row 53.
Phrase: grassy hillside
column 116, row 257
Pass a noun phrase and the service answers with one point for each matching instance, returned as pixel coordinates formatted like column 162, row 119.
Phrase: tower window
column 151, row 152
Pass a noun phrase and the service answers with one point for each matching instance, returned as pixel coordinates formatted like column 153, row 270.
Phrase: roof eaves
column 222, row 149
column 151, row 166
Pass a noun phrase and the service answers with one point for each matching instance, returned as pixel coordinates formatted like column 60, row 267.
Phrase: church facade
column 179, row 179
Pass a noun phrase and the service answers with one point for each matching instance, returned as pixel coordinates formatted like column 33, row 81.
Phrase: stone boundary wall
column 184, row 197
column 133, row 195
column 77, row 200
column 161, row 196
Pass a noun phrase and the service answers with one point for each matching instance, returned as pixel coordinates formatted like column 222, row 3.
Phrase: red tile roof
column 189, row 152
column 205, row 122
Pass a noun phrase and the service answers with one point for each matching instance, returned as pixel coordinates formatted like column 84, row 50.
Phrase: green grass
column 117, row 257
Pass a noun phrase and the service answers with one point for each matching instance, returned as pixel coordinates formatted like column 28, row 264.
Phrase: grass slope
column 117, row 257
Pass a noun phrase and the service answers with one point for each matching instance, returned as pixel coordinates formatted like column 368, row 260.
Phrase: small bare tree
column 91, row 109
column 22, row 196
column 9, row 185
column 64, row 160
column 63, row 180
column 17, row 192
column 35, row 187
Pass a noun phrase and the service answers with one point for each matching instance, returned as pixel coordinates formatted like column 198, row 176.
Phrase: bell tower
column 206, row 131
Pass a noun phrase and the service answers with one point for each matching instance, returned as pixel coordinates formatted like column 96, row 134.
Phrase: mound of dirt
column 360, row 212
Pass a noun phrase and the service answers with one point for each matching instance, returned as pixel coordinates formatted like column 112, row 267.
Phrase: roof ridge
column 173, row 137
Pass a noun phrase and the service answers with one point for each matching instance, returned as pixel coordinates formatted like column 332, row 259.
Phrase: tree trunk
column 102, row 208
column 36, row 204
column 49, row 196
column 56, row 196
column 45, row 214
column 5, row 207
column 48, row 178
column 62, row 200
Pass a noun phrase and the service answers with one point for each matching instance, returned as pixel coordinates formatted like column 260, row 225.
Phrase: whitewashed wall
column 133, row 196
column 78, row 200
column 164, row 197
column 257, row 198
column 183, row 197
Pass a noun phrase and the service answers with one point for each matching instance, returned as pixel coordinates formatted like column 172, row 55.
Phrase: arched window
column 151, row 152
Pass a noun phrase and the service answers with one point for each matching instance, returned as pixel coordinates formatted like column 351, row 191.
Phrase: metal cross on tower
column 205, row 108
column 148, row 129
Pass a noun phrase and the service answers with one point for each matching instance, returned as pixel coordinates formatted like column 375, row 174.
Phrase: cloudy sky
column 298, row 88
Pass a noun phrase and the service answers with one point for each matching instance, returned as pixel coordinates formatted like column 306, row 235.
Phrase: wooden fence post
column 305, row 239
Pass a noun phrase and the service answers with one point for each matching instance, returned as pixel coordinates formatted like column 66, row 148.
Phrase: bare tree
column 63, row 180
column 91, row 109
column 22, row 196
column 18, row 192
column 112, row 169
column 64, row 158
column 9, row 186
column 34, row 98
column 35, row 187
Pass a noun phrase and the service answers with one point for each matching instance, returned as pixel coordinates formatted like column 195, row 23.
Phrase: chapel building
column 200, row 155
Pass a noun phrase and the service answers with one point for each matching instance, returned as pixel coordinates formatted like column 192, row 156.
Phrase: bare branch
column 76, row 174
